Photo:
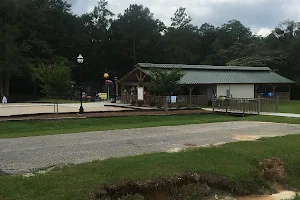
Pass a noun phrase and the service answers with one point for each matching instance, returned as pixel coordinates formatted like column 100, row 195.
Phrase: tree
column 55, row 80
column 164, row 82
column 253, row 54
column 135, row 37
column 182, row 41
column 181, row 19
column 231, row 32
column 12, row 58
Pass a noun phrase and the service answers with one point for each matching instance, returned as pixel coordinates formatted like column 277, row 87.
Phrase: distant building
column 208, row 81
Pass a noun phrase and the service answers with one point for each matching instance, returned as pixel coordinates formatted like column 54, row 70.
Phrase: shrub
column 140, row 103
column 133, row 102
column 152, row 103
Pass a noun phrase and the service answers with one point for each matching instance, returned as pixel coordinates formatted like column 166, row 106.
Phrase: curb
column 143, row 113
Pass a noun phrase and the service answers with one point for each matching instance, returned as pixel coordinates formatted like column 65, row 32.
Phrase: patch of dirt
column 218, row 144
column 273, row 170
column 174, row 150
column 279, row 196
column 191, row 184
column 190, row 145
column 245, row 137
column 106, row 114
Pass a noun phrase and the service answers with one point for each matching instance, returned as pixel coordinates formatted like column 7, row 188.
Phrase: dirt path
column 32, row 153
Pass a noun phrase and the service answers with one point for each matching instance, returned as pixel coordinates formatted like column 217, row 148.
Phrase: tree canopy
column 36, row 32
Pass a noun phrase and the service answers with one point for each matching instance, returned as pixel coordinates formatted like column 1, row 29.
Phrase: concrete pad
column 32, row 108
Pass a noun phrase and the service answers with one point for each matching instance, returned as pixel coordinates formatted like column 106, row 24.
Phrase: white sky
column 260, row 15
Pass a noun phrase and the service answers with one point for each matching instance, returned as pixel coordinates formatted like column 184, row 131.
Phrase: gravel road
column 22, row 155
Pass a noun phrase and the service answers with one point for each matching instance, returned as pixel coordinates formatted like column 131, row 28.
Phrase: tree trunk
column 54, row 106
column 34, row 92
column 57, row 106
column 1, row 88
column 6, row 89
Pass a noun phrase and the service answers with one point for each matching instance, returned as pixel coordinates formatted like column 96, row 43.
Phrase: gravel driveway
column 28, row 154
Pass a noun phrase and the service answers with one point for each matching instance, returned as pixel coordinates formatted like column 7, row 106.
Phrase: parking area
column 29, row 154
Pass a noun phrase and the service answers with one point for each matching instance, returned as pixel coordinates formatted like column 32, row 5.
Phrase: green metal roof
column 199, row 74
column 203, row 67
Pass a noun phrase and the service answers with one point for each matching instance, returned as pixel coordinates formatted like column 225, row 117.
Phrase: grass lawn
column 38, row 128
column 290, row 107
column 237, row 162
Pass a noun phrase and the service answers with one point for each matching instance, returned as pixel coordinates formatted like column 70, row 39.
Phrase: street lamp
column 114, row 86
column 80, row 62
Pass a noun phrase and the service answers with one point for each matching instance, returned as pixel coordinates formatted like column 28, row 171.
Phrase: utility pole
column 134, row 43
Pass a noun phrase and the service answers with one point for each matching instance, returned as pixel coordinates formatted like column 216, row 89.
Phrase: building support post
column 277, row 104
column 274, row 89
column 190, row 93
column 258, row 109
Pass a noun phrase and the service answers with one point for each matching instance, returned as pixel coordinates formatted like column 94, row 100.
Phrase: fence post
column 277, row 104
column 226, row 104
column 244, row 107
column 258, row 104
column 213, row 102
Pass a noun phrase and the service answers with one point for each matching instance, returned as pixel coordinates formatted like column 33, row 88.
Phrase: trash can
column 113, row 99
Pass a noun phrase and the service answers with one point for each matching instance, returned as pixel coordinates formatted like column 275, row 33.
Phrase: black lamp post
column 80, row 62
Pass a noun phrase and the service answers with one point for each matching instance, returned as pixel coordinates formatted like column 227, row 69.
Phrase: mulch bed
column 105, row 114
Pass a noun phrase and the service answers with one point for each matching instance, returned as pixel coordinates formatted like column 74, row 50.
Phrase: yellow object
column 103, row 95
column 105, row 75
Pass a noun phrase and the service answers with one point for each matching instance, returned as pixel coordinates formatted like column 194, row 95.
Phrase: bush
column 140, row 103
column 180, row 104
column 85, row 99
column 152, row 103
column 133, row 102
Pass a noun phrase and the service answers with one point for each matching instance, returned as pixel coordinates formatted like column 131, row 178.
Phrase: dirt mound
column 273, row 170
column 192, row 185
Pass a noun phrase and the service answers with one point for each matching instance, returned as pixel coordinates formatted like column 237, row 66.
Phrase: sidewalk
column 263, row 113
column 46, row 108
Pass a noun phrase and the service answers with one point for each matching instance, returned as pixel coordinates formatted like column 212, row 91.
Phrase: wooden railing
column 196, row 100
column 182, row 100
column 283, row 96
column 246, row 105
column 128, row 98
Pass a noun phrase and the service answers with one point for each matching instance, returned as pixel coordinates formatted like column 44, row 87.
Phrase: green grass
column 48, row 127
column 290, row 107
column 237, row 162
column 37, row 128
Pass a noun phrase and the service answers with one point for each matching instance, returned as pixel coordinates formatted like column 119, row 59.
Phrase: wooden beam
column 190, row 88
column 144, row 77
column 274, row 88
column 138, row 77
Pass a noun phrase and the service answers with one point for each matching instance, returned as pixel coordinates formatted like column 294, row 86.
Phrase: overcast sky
column 260, row 15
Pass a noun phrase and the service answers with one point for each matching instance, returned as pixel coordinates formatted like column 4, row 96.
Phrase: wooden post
column 258, row 101
column 274, row 89
column 190, row 94
column 213, row 102
column 289, row 98
column 243, row 108
column 226, row 104
column 277, row 104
